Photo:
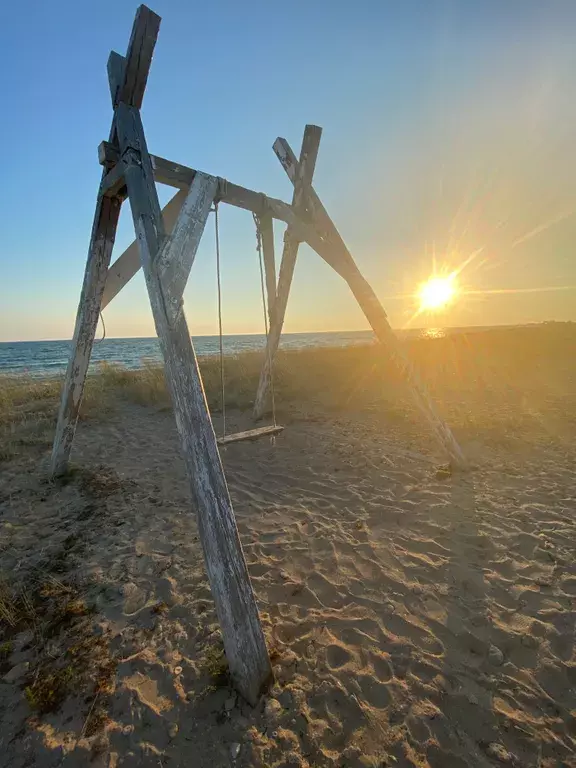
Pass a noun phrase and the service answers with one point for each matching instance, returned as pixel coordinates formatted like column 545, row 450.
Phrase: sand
column 414, row 617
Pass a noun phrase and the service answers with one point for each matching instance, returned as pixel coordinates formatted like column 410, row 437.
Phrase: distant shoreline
column 448, row 329
column 50, row 358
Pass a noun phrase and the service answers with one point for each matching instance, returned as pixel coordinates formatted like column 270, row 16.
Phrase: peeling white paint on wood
column 227, row 572
column 177, row 254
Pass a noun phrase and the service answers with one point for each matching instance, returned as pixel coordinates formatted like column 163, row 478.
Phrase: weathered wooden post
column 302, row 181
column 266, row 227
column 129, row 82
column 99, row 252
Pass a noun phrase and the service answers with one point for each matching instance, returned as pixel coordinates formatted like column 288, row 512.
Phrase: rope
column 222, row 390
column 265, row 310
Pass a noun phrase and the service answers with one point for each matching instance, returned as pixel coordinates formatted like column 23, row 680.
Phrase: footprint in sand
column 337, row 656
column 375, row 693
column 569, row 586
column 382, row 668
column 421, row 637
column 134, row 599
column 326, row 593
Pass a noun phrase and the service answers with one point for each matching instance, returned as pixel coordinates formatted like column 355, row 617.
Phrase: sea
column 45, row 358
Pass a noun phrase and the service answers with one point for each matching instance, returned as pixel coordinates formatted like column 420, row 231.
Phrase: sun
column 436, row 293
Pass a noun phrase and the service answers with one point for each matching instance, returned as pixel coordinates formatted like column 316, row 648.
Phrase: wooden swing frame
column 165, row 247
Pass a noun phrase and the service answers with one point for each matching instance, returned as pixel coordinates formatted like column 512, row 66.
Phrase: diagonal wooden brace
column 128, row 264
column 175, row 259
column 227, row 572
column 303, row 180
column 333, row 249
column 99, row 252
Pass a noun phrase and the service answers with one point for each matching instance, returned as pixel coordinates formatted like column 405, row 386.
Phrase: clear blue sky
column 449, row 127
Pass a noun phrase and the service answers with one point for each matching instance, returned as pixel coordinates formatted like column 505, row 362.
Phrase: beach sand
column 414, row 617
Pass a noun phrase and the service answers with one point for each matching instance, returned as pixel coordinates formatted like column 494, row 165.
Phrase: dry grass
column 66, row 656
column 504, row 378
column 29, row 406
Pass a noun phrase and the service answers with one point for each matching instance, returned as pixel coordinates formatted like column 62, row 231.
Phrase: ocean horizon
column 44, row 358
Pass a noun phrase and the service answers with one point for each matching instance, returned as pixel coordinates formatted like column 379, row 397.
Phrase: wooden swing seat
column 249, row 434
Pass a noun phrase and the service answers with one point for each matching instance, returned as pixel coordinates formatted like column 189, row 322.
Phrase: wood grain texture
column 116, row 68
column 108, row 154
column 127, row 80
column 172, row 174
column 266, row 225
column 99, row 253
column 303, row 180
column 179, row 249
column 250, row 434
column 138, row 57
column 128, row 263
column 179, row 176
column 233, row 597
column 340, row 257
column 333, row 249
column 113, row 184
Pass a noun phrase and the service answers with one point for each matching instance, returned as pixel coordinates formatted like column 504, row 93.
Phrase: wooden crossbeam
column 181, row 177
column 308, row 155
column 334, row 250
column 227, row 572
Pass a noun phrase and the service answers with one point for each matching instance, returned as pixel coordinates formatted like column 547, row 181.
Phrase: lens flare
column 436, row 293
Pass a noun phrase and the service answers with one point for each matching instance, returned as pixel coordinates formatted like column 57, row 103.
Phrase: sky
column 449, row 137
